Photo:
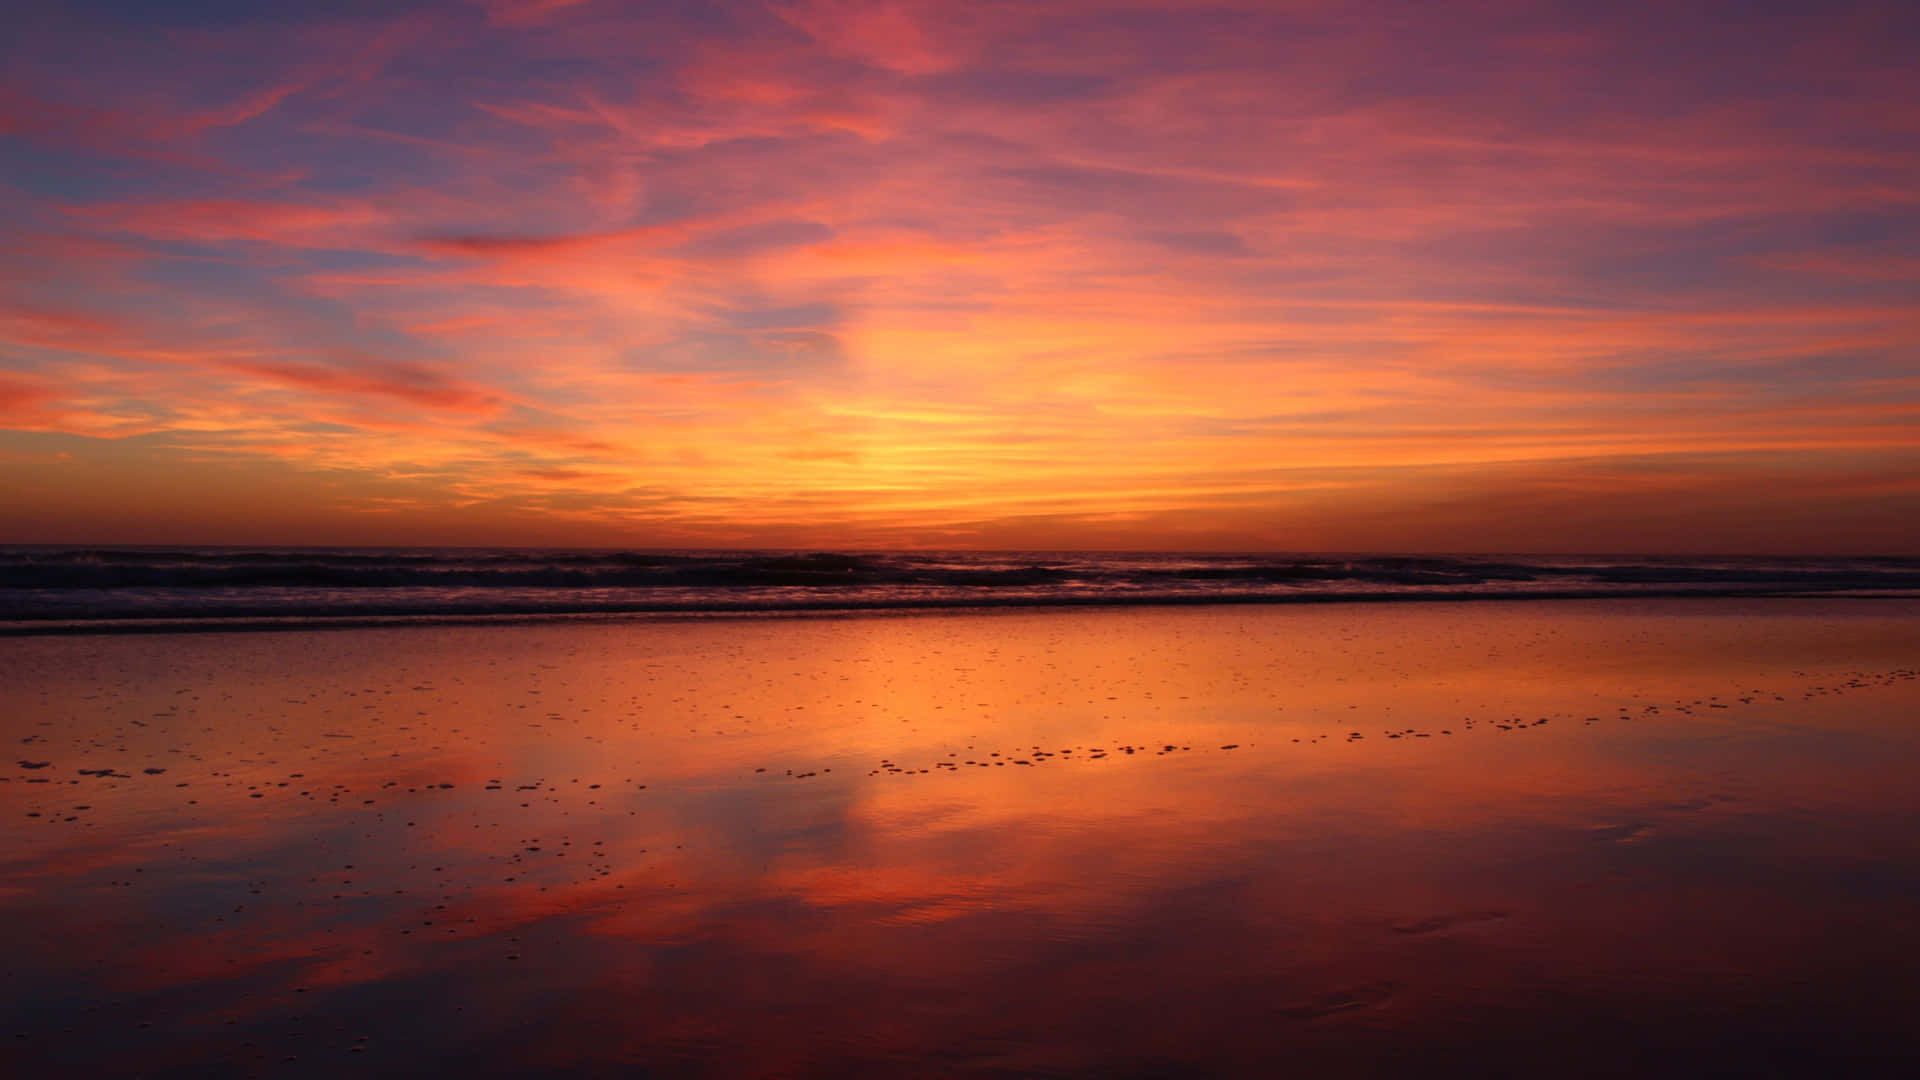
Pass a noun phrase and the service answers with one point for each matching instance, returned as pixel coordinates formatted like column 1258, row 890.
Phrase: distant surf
column 100, row 588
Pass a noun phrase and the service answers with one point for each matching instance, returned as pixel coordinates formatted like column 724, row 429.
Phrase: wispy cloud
column 1112, row 272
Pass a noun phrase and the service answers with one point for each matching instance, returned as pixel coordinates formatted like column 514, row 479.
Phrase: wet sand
column 1664, row 837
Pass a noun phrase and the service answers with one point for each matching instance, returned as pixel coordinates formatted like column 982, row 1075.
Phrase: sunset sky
column 1088, row 273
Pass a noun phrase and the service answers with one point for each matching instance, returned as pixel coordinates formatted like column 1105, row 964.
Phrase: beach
column 1656, row 835
column 843, row 539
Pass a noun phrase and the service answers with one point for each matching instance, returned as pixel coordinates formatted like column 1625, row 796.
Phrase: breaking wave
column 96, row 586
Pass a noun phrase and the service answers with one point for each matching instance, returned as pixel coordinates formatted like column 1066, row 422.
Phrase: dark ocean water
column 44, row 587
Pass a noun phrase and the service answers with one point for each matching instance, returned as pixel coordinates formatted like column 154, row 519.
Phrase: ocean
column 45, row 588
column 1650, row 837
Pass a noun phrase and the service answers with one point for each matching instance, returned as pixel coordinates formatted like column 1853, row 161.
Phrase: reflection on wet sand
column 1658, row 836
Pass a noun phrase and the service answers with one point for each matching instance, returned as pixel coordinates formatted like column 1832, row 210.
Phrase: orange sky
column 1097, row 273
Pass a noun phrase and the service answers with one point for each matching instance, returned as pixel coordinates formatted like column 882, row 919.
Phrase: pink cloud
column 26, row 404
column 227, row 220
column 910, row 37
column 406, row 382
column 860, row 264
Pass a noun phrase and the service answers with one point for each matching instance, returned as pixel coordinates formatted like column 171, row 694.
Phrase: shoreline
column 263, row 622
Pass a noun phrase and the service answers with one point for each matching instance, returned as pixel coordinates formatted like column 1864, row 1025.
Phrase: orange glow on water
column 1285, row 829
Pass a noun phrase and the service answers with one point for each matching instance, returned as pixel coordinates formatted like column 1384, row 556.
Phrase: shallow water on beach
column 1668, row 837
